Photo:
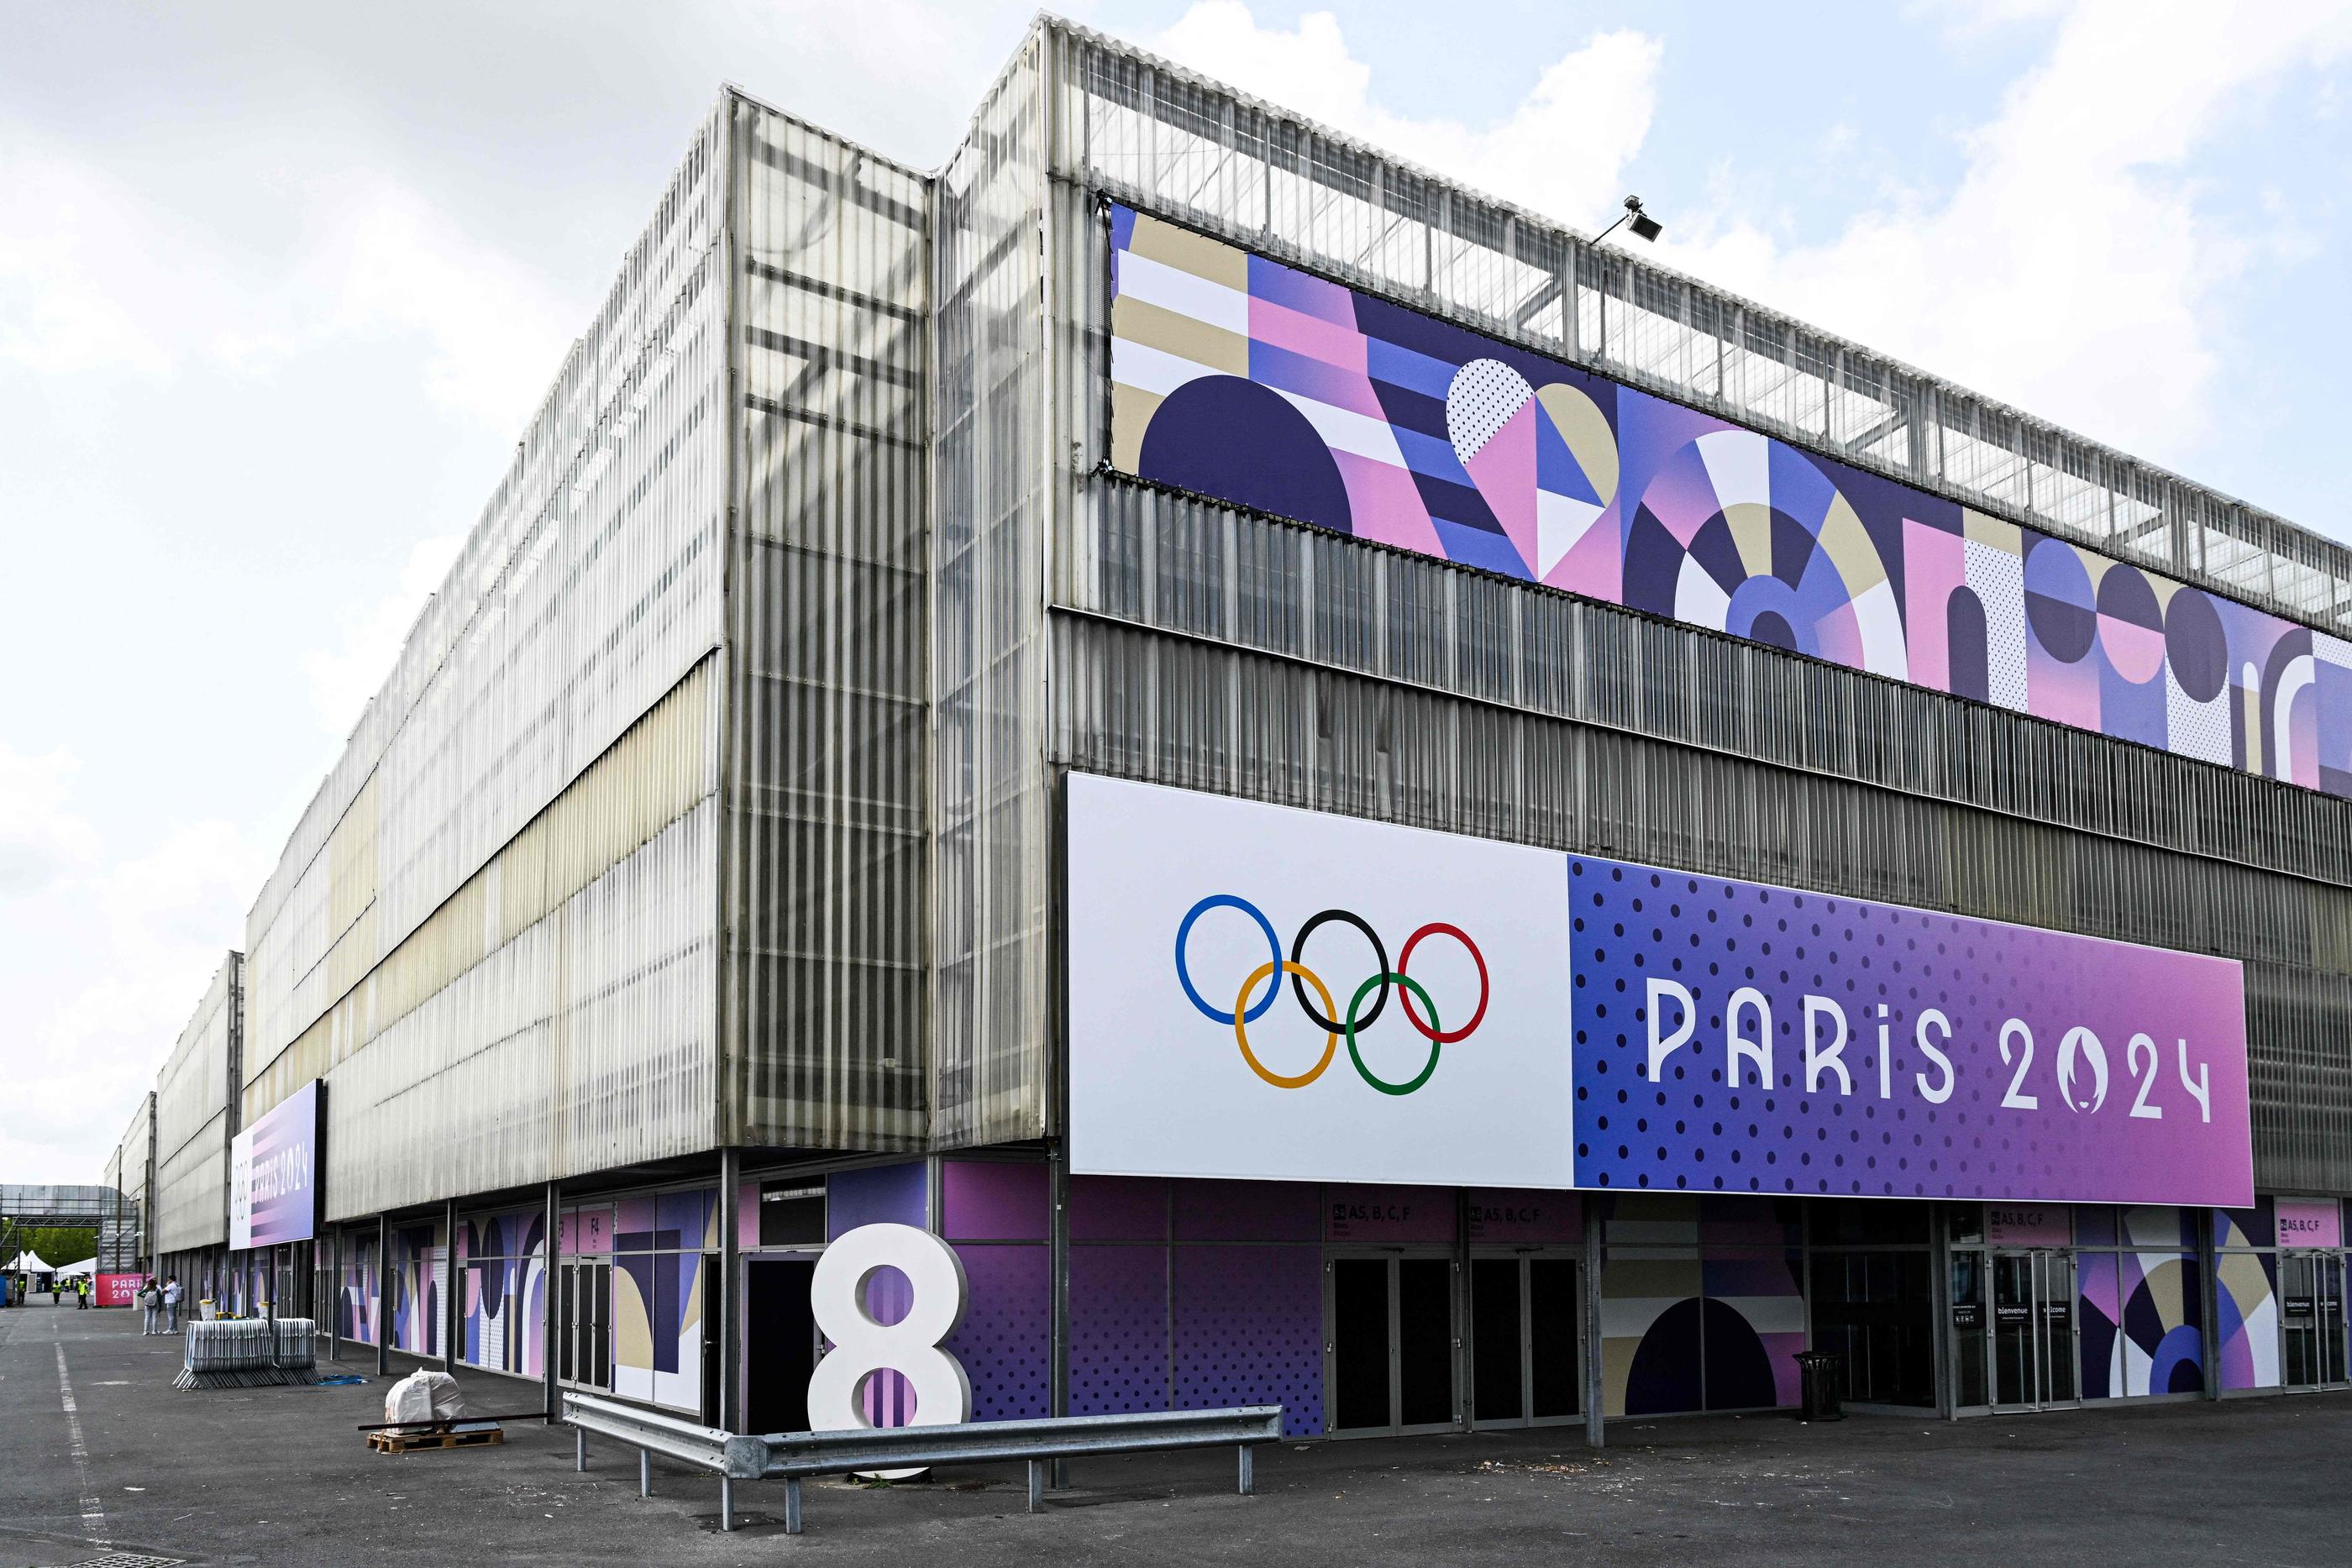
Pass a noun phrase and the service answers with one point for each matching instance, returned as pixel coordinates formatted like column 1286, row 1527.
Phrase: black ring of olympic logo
column 1379, row 967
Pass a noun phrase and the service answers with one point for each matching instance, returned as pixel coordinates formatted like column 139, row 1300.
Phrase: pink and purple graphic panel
column 1732, row 1037
column 1239, row 379
column 273, row 1174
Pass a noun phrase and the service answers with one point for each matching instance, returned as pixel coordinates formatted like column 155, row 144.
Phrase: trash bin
column 1822, row 1376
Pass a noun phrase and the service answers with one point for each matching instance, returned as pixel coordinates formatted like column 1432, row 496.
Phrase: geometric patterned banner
column 1247, row 382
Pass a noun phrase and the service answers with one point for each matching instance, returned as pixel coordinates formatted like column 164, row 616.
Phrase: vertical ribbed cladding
column 494, row 931
column 988, row 553
column 192, row 1120
column 826, row 883
column 129, row 1172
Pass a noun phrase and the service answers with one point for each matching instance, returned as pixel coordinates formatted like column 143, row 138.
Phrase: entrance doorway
column 1388, row 1353
column 1526, row 1331
column 780, row 1342
column 2312, row 1296
column 2032, row 1351
column 584, row 1341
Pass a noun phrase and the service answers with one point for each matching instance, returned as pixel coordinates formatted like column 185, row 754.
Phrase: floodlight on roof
column 1643, row 225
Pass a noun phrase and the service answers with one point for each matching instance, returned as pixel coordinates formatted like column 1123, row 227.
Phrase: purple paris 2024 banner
column 273, row 1174
column 1732, row 1037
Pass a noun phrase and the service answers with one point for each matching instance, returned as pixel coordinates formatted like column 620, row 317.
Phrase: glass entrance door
column 2032, row 1330
column 1526, row 1318
column 584, row 1341
column 1971, row 1333
column 1388, row 1351
column 2312, row 1296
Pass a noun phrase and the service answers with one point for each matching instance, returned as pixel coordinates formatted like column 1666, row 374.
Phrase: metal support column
column 1058, row 1177
column 2209, row 1288
column 731, row 1288
column 1466, row 1398
column 335, row 1296
column 1939, row 1295
column 1592, row 1377
column 550, row 1303
column 382, row 1318
column 450, row 1290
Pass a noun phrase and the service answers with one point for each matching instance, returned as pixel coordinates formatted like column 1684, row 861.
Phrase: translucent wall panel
column 192, row 1098
column 588, row 587
column 518, row 801
column 558, row 1014
column 992, row 467
column 829, row 646
column 1187, row 148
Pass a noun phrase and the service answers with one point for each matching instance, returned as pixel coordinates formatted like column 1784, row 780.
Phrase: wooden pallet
column 410, row 1442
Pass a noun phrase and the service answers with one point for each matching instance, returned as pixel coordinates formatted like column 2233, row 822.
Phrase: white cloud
column 61, row 227
column 42, row 837
column 343, row 677
column 1561, row 150
column 164, row 917
column 2076, row 269
column 96, row 278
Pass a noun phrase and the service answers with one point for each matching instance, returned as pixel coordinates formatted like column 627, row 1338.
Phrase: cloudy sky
column 280, row 283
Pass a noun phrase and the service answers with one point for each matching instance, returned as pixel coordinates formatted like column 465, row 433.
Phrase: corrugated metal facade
column 827, row 880
column 493, row 932
column 1214, row 650
column 194, row 1122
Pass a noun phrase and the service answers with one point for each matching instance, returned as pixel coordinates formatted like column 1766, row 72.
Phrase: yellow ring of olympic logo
column 1241, row 1030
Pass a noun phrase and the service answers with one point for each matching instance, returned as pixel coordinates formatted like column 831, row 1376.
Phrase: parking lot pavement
column 100, row 1454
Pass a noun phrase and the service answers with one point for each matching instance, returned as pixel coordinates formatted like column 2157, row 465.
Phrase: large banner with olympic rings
column 1261, row 992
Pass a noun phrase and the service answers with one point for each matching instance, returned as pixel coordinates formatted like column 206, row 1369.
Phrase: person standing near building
column 172, row 1304
column 81, row 1295
column 151, row 1302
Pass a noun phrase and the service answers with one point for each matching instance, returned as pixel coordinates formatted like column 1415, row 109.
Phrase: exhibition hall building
column 1361, row 802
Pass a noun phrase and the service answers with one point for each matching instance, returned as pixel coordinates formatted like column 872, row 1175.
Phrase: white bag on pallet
column 424, row 1397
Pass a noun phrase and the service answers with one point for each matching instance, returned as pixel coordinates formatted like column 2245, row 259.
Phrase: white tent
column 29, row 1263
column 77, row 1270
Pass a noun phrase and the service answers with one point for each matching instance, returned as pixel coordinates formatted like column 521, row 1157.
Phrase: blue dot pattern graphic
column 1704, row 1128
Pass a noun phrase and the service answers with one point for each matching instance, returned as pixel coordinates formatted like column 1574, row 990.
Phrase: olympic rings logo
column 1302, row 979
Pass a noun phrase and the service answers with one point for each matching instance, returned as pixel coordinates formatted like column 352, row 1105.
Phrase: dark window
column 791, row 1216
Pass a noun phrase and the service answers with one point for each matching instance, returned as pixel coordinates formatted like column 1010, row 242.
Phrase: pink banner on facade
column 118, row 1289
column 2310, row 1222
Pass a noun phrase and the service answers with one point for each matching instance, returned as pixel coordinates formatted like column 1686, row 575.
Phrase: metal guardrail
column 792, row 1457
column 650, row 1432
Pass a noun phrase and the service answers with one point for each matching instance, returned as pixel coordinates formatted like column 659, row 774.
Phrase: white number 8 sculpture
column 909, row 1347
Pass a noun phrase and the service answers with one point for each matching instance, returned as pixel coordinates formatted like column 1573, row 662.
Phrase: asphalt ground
column 100, row 1454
